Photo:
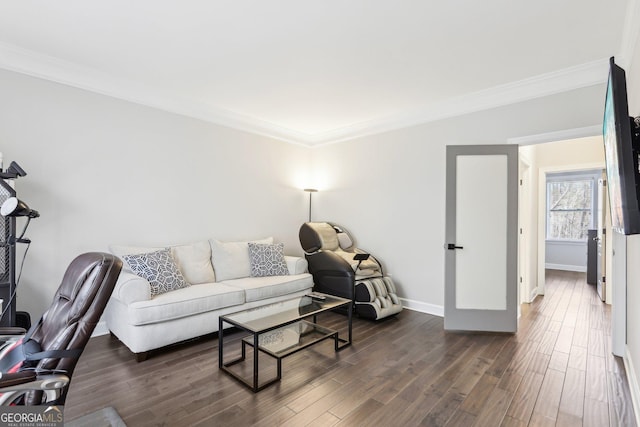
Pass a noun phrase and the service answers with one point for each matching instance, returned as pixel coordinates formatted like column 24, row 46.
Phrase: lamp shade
column 15, row 207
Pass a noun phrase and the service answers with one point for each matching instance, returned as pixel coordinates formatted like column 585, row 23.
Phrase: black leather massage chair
column 340, row 269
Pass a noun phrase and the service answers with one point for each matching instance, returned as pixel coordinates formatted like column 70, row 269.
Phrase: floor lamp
column 310, row 191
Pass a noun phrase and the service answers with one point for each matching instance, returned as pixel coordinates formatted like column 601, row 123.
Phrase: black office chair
column 341, row 269
column 37, row 367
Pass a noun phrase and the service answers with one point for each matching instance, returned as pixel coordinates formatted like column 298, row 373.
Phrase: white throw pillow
column 194, row 260
column 231, row 259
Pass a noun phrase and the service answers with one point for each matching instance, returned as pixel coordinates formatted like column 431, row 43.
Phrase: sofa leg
column 141, row 357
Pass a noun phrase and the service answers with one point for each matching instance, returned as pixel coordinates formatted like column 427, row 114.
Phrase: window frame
column 572, row 176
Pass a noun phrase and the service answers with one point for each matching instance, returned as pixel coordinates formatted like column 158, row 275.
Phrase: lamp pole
column 310, row 191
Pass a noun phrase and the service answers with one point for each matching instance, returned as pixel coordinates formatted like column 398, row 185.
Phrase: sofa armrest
column 296, row 264
column 131, row 288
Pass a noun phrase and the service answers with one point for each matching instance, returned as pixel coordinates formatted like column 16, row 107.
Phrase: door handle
column 452, row 246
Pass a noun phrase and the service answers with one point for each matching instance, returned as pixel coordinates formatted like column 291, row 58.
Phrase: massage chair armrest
column 8, row 330
column 329, row 263
column 16, row 378
column 331, row 274
column 12, row 386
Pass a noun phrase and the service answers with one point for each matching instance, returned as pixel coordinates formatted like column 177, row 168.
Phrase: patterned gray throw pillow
column 159, row 269
column 267, row 259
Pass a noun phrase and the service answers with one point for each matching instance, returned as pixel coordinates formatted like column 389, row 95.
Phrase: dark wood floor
column 406, row 371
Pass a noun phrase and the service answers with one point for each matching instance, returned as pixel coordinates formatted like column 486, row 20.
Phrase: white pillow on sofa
column 194, row 260
column 231, row 259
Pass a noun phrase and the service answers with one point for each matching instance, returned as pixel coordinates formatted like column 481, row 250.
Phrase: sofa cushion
column 185, row 302
column 159, row 269
column 267, row 259
column 260, row 288
column 231, row 259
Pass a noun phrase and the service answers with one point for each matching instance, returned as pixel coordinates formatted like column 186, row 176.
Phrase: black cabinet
column 592, row 257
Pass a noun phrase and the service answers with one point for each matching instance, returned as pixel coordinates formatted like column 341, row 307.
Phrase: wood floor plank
column 548, row 402
column 524, row 400
column 494, row 409
column 558, row 361
column 577, row 358
column 596, row 383
column 596, row 413
column 572, row 400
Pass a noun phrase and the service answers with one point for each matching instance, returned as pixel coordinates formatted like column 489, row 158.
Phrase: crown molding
column 561, row 135
column 17, row 59
column 24, row 61
column 580, row 76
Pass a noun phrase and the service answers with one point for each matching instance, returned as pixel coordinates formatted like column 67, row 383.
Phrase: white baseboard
column 101, row 329
column 423, row 307
column 566, row 267
column 533, row 295
column 632, row 377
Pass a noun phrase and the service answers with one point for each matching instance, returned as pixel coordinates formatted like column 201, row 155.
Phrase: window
column 570, row 206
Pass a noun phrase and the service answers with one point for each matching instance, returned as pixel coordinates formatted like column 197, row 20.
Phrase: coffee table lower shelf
column 280, row 343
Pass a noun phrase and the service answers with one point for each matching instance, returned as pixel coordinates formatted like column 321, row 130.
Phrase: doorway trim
column 526, row 260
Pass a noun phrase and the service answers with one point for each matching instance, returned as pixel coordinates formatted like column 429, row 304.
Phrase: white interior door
column 481, row 262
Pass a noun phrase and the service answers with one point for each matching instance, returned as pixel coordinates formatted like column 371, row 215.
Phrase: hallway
column 573, row 373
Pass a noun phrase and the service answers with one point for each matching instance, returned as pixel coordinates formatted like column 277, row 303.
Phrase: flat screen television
column 621, row 147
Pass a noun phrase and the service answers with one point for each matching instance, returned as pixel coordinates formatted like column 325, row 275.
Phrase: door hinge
column 520, row 279
column 604, row 231
column 520, row 182
column 521, row 231
column 604, row 279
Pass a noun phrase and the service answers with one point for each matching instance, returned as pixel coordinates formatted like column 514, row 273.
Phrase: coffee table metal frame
column 255, row 329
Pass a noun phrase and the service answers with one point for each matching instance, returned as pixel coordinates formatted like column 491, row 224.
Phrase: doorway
column 549, row 158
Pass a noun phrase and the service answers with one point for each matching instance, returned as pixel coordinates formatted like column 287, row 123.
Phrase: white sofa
column 220, row 283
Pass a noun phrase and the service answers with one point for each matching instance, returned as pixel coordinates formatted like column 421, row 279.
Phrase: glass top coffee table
column 279, row 330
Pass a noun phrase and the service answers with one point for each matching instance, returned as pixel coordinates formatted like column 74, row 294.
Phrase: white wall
column 633, row 266
column 389, row 189
column 103, row 171
column 569, row 256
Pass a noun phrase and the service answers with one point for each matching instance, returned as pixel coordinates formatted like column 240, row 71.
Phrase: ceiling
column 317, row 72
